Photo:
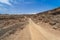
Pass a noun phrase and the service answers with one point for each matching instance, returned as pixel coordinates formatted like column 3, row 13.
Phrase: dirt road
column 39, row 33
column 32, row 31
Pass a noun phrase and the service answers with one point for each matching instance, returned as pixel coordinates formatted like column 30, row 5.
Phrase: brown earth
column 41, row 26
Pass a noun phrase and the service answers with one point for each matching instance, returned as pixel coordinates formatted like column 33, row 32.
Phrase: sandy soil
column 39, row 33
column 33, row 31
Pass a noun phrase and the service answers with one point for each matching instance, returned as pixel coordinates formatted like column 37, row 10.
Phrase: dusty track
column 32, row 31
column 39, row 33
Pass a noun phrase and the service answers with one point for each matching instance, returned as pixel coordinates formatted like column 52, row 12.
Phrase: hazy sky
column 27, row 6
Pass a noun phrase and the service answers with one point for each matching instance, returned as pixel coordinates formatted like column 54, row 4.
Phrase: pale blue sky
column 27, row 6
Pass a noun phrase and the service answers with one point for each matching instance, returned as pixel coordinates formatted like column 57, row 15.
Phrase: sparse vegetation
column 9, row 24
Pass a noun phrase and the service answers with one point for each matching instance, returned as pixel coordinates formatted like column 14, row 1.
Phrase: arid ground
column 40, row 26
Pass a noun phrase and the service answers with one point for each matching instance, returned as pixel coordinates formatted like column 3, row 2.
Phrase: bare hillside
column 40, row 26
column 51, row 17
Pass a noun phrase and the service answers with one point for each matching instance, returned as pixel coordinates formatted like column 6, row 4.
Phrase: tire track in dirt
column 31, row 31
column 39, row 33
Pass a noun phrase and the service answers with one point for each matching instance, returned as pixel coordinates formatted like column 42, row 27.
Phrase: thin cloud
column 5, row 1
column 26, row 2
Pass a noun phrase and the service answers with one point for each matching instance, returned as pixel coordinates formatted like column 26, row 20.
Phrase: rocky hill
column 51, row 17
